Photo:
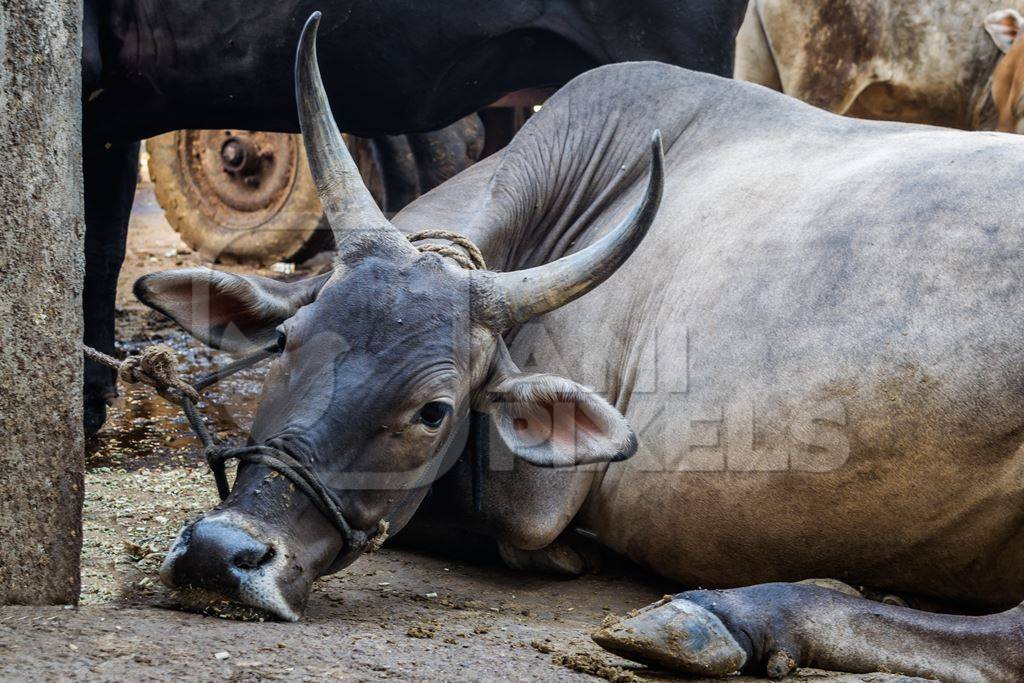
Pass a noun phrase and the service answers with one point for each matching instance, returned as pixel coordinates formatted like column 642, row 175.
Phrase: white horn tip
column 307, row 41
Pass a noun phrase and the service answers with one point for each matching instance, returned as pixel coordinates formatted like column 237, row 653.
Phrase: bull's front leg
column 774, row 628
column 110, row 174
column 527, row 513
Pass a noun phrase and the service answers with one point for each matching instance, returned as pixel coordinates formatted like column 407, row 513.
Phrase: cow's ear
column 1005, row 27
column 551, row 421
column 225, row 310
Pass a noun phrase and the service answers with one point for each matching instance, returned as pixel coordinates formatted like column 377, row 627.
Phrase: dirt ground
column 393, row 614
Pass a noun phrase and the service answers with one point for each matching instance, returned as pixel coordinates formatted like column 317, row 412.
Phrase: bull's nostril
column 253, row 558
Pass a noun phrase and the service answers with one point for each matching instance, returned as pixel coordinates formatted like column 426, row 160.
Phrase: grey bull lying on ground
column 819, row 341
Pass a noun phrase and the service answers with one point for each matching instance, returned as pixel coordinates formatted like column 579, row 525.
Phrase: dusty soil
column 394, row 614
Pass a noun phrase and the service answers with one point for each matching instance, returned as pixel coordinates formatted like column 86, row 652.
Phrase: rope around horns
column 471, row 260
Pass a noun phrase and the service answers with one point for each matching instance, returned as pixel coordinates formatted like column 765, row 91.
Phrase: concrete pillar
column 41, row 237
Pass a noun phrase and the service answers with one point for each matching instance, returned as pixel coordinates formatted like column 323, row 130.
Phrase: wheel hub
column 242, row 178
column 239, row 155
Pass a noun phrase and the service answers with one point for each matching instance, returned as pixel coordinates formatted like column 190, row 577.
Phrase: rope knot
column 376, row 541
column 156, row 366
column 473, row 259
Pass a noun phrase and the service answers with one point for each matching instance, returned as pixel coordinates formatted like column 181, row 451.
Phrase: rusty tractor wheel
column 243, row 196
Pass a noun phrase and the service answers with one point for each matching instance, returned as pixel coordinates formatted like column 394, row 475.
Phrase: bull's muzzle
column 226, row 555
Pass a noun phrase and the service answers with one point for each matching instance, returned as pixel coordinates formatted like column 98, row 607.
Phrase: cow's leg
column 755, row 62
column 441, row 154
column 773, row 628
column 110, row 174
column 398, row 171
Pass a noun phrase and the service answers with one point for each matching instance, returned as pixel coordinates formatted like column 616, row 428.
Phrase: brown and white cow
column 952, row 63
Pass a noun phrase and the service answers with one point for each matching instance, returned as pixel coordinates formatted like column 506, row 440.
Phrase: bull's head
column 381, row 359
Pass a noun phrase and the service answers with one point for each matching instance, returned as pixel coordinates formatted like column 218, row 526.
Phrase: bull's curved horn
column 347, row 203
column 507, row 299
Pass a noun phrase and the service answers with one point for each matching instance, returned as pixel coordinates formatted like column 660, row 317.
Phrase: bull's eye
column 282, row 341
column 434, row 413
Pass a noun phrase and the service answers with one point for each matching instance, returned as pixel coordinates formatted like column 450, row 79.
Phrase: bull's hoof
column 559, row 558
column 94, row 412
column 772, row 629
column 676, row 634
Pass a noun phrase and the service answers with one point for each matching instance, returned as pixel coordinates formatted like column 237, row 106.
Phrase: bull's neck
column 546, row 195
column 567, row 177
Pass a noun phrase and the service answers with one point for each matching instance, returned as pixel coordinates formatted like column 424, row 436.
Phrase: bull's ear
column 225, row 310
column 551, row 421
column 1005, row 27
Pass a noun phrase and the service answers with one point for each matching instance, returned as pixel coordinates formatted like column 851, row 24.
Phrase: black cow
column 151, row 66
